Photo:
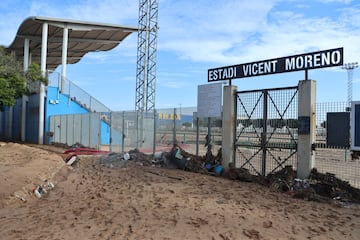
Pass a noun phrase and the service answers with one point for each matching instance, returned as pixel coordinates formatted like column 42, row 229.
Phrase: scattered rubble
column 318, row 187
column 41, row 190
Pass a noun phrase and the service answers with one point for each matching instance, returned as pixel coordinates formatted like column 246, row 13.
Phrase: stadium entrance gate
column 266, row 129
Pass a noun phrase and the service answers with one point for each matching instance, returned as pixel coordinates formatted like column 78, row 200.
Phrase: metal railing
column 76, row 93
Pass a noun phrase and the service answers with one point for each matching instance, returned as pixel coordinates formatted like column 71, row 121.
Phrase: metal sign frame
column 306, row 61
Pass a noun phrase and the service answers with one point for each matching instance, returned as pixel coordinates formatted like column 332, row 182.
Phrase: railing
column 76, row 93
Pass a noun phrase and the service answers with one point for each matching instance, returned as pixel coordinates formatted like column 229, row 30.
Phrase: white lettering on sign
column 222, row 73
column 259, row 68
column 315, row 60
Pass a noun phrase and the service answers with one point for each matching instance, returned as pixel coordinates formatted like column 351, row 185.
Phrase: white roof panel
column 83, row 37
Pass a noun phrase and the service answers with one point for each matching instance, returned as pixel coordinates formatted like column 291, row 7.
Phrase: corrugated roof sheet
column 83, row 37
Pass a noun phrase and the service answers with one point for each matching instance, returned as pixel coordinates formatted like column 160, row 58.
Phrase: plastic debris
column 39, row 191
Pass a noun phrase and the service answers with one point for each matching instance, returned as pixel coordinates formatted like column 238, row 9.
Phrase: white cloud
column 336, row 1
column 109, row 11
column 13, row 13
column 206, row 31
column 350, row 16
column 236, row 31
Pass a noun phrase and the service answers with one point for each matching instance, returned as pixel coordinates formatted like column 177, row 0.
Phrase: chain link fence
column 335, row 159
column 158, row 131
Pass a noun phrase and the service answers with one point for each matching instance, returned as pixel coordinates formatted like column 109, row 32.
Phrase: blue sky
column 195, row 35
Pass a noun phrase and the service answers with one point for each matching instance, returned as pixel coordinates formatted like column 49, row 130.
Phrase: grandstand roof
column 83, row 37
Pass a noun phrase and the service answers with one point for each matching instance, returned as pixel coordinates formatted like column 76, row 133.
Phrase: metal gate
column 266, row 129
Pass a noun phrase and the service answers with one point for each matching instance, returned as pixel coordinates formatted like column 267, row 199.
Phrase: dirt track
column 91, row 201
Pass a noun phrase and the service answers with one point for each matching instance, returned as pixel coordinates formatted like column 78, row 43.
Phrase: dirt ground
column 92, row 201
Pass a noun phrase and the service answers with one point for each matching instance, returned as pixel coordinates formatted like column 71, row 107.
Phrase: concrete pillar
column 26, row 54
column 228, row 125
column 42, row 87
column 64, row 57
column 306, row 128
column 24, row 97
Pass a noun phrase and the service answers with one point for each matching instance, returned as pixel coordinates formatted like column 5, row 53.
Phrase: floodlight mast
column 146, row 64
column 146, row 56
column 349, row 67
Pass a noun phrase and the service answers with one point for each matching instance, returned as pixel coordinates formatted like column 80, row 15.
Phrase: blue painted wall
column 105, row 133
column 55, row 104
column 59, row 104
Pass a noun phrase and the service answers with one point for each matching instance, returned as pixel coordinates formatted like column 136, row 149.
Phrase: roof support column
column 24, row 97
column 64, row 57
column 42, row 87
column 26, row 54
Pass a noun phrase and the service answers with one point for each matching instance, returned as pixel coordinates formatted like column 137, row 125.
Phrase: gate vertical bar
column 264, row 133
column 235, row 128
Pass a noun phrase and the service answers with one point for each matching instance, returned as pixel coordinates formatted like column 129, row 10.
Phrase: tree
column 14, row 81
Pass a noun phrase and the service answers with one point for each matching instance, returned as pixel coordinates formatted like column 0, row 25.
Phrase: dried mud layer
column 134, row 201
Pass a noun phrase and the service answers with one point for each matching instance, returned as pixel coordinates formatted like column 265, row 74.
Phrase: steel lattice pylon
column 349, row 67
column 146, row 56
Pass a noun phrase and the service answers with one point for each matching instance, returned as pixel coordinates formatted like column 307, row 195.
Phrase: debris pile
column 318, row 187
column 120, row 160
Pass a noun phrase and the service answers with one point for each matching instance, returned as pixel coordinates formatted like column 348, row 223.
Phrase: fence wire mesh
column 158, row 131
column 336, row 160
column 76, row 93
column 266, row 131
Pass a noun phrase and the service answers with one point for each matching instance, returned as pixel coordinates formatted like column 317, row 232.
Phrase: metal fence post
column 123, row 133
column 197, row 137
column 208, row 140
column 110, row 126
column 174, row 129
column 154, row 136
